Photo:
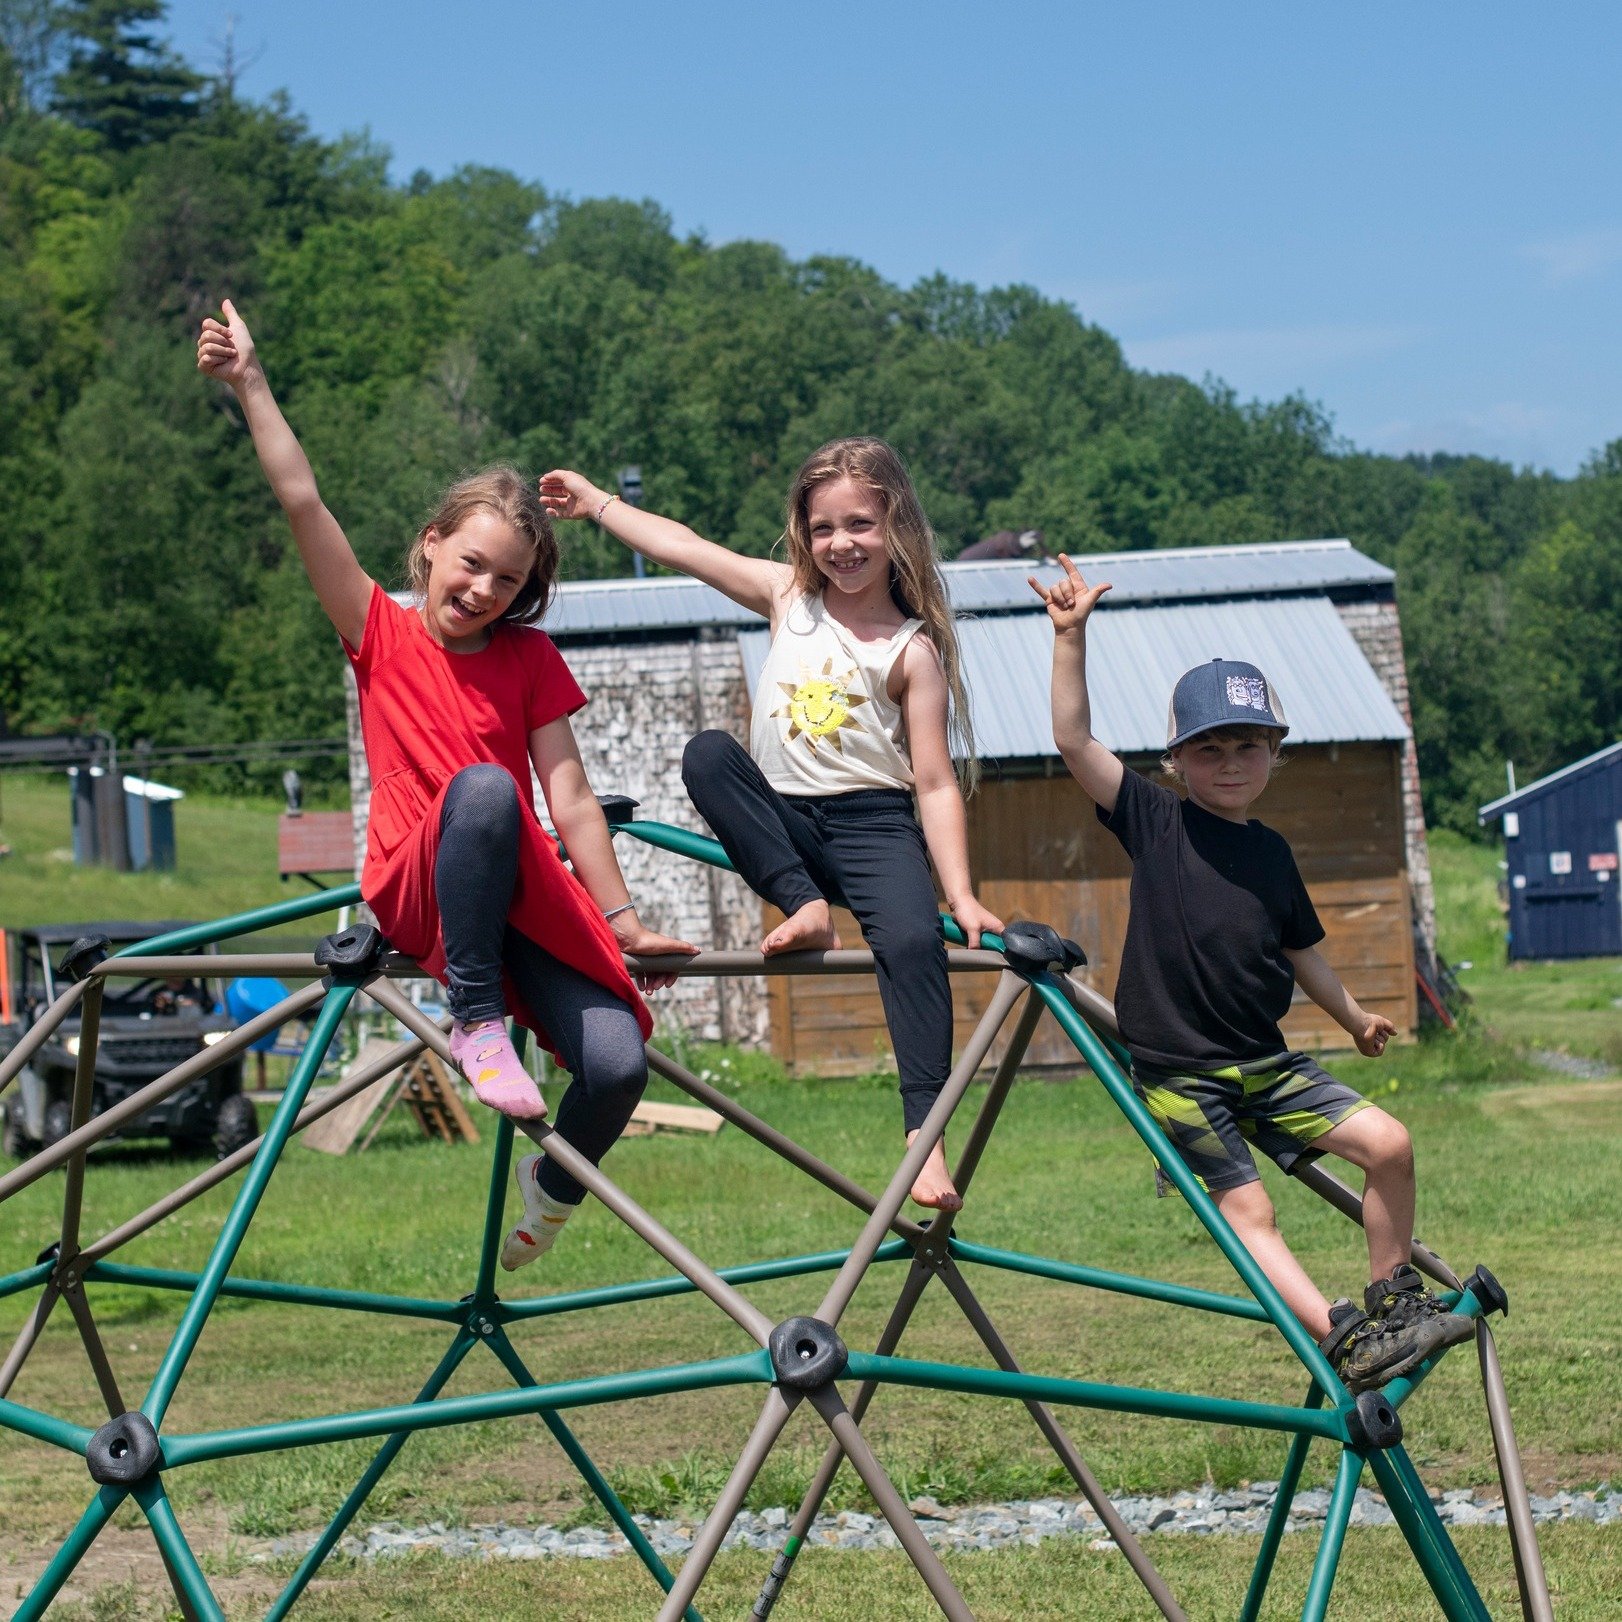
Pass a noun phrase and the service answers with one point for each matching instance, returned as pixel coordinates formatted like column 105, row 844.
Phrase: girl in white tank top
column 856, row 715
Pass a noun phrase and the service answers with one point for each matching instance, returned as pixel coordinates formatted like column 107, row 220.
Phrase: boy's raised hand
column 1069, row 599
column 569, row 495
column 225, row 349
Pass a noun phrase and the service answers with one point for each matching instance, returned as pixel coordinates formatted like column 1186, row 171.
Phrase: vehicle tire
column 58, row 1122
column 236, row 1124
column 14, row 1141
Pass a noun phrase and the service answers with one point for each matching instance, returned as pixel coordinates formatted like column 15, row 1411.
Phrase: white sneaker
column 543, row 1218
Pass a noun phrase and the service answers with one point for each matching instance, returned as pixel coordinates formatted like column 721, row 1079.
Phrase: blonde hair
column 502, row 490
column 916, row 586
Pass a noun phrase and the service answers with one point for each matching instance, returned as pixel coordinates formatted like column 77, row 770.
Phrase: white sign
column 1512, row 824
column 1559, row 861
column 1520, row 881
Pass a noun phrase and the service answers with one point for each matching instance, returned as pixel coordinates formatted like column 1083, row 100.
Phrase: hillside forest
column 415, row 329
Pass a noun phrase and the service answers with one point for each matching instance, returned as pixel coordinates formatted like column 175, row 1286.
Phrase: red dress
column 426, row 713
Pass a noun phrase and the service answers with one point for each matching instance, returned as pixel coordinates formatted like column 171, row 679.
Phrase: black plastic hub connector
column 123, row 1452
column 1031, row 947
column 1375, row 1425
column 806, row 1353
column 49, row 1253
column 83, row 955
column 352, row 953
column 618, row 809
column 1488, row 1291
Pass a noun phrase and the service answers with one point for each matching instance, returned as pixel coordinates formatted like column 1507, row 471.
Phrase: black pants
column 864, row 851
column 595, row 1032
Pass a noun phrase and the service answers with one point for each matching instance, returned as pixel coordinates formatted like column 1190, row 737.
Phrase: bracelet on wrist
column 608, row 501
column 624, row 906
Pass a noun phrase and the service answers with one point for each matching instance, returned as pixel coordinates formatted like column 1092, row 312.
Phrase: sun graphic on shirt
column 819, row 705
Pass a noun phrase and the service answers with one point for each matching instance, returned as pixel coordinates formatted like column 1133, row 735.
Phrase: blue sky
column 1410, row 213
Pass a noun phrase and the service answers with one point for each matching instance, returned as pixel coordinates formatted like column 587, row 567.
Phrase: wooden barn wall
column 1038, row 851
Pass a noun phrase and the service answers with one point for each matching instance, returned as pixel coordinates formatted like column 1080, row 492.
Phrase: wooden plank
column 333, row 1134
column 677, row 1117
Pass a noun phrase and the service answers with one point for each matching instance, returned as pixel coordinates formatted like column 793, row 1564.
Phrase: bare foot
column 811, row 929
column 934, row 1186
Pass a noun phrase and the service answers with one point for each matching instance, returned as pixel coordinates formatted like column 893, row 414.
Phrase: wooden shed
column 664, row 658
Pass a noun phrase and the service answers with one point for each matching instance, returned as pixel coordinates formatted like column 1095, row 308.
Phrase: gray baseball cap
column 1223, row 693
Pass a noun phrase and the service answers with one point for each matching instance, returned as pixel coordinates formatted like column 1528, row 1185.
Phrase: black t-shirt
column 1204, row 980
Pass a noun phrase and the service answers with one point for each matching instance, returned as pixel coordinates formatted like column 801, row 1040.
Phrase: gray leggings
column 595, row 1033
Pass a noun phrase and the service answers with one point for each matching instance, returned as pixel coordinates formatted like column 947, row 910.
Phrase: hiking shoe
column 1359, row 1348
column 1403, row 1304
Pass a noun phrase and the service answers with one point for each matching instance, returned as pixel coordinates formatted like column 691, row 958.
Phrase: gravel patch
column 958, row 1528
column 1571, row 1064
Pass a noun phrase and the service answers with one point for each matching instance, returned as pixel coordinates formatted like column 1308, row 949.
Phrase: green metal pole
column 299, row 1295
column 12, row 1282
column 44, row 1427
column 824, row 1261
column 1159, row 1145
column 95, row 1517
column 495, row 1205
column 244, row 923
column 1262, row 1572
column 1408, row 1501
column 1088, row 1394
column 183, row 1566
column 590, row 1474
column 748, row 1368
column 460, row 1345
column 1150, row 1289
column 1334, row 1535
column 244, row 1206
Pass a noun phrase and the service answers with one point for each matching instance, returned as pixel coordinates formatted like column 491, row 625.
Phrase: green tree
column 120, row 81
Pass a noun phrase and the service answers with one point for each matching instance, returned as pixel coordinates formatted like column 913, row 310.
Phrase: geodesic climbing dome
column 799, row 1360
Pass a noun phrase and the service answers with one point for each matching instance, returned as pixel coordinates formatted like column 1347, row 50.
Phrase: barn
column 1562, row 847
column 664, row 658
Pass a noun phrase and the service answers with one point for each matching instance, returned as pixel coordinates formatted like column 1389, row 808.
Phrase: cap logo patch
column 1248, row 692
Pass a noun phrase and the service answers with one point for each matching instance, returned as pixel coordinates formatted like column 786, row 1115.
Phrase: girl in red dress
column 458, row 697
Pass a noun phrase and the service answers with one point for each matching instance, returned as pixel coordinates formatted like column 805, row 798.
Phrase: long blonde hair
column 916, row 586
column 502, row 490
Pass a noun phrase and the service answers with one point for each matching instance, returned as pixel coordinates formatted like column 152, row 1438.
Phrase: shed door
column 1571, row 899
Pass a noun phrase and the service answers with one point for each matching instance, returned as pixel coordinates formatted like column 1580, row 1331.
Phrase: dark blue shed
column 1563, row 844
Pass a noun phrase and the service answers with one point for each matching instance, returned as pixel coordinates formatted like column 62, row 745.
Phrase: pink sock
column 484, row 1054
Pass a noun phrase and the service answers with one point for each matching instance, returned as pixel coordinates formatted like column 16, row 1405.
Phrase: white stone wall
column 1377, row 630
column 646, row 699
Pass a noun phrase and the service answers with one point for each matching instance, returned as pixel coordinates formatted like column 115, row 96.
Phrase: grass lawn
column 1517, row 1169
column 225, row 862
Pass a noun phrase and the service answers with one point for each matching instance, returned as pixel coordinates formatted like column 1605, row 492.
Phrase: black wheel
column 14, row 1141
column 236, row 1124
column 58, row 1122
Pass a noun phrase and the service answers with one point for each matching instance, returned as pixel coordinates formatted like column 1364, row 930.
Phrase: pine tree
column 120, row 80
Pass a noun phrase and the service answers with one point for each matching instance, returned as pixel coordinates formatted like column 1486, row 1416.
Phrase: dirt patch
column 1555, row 1095
column 126, row 1557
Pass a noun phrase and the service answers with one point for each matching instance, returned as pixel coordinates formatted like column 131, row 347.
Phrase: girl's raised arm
column 755, row 583
column 226, row 351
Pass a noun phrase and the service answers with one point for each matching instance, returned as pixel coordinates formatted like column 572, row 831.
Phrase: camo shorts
column 1214, row 1118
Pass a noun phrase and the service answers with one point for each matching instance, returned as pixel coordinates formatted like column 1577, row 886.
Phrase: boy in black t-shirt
column 1221, row 930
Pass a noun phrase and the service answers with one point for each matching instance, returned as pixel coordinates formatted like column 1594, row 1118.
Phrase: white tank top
column 824, row 721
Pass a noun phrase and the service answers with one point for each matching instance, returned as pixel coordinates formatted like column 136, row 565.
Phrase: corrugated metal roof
column 585, row 608
column 1504, row 802
column 1134, row 657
